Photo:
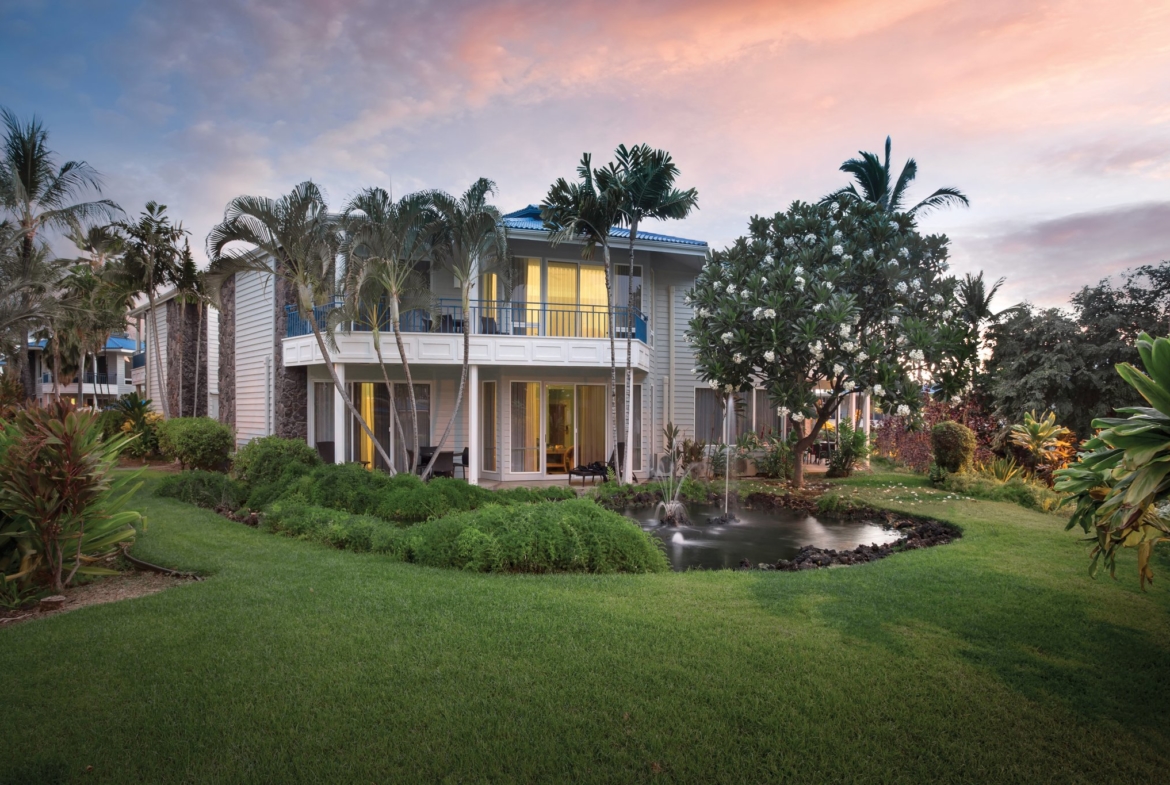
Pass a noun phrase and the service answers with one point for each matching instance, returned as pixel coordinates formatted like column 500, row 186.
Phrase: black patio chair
column 592, row 471
column 445, row 465
column 464, row 461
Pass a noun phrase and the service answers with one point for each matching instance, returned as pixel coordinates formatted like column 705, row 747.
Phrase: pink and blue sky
column 1054, row 117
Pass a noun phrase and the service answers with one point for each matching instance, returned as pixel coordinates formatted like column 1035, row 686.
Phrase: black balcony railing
column 89, row 377
column 487, row 317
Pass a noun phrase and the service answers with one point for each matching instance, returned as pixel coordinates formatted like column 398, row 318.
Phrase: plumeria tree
column 822, row 301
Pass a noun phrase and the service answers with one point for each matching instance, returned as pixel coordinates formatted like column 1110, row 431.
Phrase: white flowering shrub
column 843, row 298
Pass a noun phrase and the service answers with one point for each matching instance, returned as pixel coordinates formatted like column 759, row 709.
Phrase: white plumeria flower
column 686, row 299
column 745, row 294
column 717, row 286
column 838, row 250
column 770, row 356
column 797, row 417
column 829, row 285
column 763, row 280
column 956, row 399
column 904, row 253
column 894, row 319
column 731, row 288
column 849, row 386
column 728, row 389
column 727, row 337
column 789, row 242
column 916, row 284
column 845, row 330
column 769, row 313
column 836, row 234
column 947, row 314
column 867, row 289
column 799, row 270
column 799, row 282
column 903, row 410
column 917, row 355
column 783, row 411
column 901, row 287
column 878, row 390
column 847, row 257
column 849, row 346
column 714, row 384
column 737, row 358
column 867, row 253
column 838, row 369
column 704, row 313
column 817, row 308
column 893, row 263
column 810, row 238
column 894, row 225
column 756, row 313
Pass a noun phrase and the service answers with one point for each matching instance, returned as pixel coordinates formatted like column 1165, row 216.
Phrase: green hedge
column 953, row 445
column 571, row 536
column 205, row 489
column 196, row 442
column 264, row 461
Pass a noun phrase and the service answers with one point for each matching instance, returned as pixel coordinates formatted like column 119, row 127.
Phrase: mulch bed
column 124, row 586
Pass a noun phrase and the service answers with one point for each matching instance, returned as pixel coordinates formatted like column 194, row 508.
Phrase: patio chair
column 464, row 460
column 488, row 326
column 591, row 471
column 445, row 464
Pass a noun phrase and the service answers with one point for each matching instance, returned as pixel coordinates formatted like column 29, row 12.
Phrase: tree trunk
column 162, row 386
column 612, row 347
column 389, row 390
column 56, row 370
column 344, row 395
column 182, row 308
column 409, row 381
column 627, row 461
column 805, row 442
column 81, row 379
column 198, row 349
column 96, row 406
column 462, row 384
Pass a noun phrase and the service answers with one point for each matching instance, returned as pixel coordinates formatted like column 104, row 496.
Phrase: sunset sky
column 1054, row 117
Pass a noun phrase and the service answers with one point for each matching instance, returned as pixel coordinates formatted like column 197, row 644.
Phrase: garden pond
column 756, row 535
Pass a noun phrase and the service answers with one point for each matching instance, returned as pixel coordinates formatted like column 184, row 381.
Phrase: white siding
column 156, row 373
column 254, row 355
column 212, row 338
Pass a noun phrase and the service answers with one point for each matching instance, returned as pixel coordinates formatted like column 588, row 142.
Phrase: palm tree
column 27, row 283
column 873, row 176
column 295, row 239
column 187, row 292
column 582, row 212
column 385, row 242
column 38, row 194
column 470, row 239
column 150, row 261
column 644, row 178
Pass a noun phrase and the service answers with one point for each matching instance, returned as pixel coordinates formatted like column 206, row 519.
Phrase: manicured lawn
column 994, row 659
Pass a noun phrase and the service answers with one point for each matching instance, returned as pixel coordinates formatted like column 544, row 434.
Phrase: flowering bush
column 906, row 439
column 825, row 300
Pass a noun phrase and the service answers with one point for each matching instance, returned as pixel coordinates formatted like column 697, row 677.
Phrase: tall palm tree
column 149, row 262
column 873, row 176
column 583, row 212
column 295, row 239
column 644, row 177
column 38, row 194
column 470, row 240
column 27, row 283
column 93, row 288
column 187, row 282
column 385, row 242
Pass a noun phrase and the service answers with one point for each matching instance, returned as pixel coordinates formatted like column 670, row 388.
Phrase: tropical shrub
column 1049, row 446
column 1001, row 469
column 110, row 423
column 196, row 442
column 853, row 446
column 1121, row 484
column 906, row 438
column 1017, row 489
column 263, row 461
column 776, row 459
column 953, row 446
column 60, row 500
column 12, row 397
column 212, row 490
column 335, row 528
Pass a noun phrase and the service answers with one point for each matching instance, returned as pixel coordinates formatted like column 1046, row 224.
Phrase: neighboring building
column 187, row 361
column 107, row 375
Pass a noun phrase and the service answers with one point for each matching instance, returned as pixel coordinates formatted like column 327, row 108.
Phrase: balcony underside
column 447, row 349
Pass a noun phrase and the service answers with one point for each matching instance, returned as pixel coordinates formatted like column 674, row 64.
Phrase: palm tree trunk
column 409, row 382
column 612, row 345
column 198, row 349
column 627, row 466
column 56, row 371
column 344, row 395
column 81, row 379
column 162, row 386
column 182, row 345
column 462, row 384
column 389, row 389
column 95, row 382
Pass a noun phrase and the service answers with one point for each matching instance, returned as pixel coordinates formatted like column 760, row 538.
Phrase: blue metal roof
column 114, row 344
column 529, row 218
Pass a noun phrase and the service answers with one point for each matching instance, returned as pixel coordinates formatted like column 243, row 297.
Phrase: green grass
column 993, row 659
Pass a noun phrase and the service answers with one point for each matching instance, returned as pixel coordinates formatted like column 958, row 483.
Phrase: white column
column 340, row 418
column 473, row 425
column 866, row 416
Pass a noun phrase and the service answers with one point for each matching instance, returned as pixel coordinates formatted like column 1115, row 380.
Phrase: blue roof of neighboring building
column 115, row 343
column 529, row 218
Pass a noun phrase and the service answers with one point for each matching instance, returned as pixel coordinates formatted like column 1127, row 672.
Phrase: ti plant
column 1050, row 446
column 1121, row 483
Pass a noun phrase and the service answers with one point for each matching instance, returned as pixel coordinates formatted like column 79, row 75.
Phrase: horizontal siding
column 254, row 354
column 155, row 372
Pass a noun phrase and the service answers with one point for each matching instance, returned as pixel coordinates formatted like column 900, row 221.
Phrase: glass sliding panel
column 591, row 409
column 323, row 420
column 562, row 299
column 621, row 413
column 363, row 401
column 709, row 425
column 525, row 297
column 422, row 395
column 767, row 420
column 489, row 412
column 489, row 311
column 621, row 297
column 561, row 430
column 593, row 302
column 525, row 427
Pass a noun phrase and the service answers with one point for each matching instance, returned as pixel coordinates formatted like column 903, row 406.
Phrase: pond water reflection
column 758, row 535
